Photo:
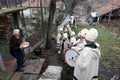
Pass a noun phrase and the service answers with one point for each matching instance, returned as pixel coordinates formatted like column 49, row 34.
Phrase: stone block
column 52, row 73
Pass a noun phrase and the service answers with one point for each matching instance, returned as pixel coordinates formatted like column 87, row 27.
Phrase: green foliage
column 110, row 47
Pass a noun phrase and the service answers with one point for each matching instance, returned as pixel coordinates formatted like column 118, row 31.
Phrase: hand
column 21, row 46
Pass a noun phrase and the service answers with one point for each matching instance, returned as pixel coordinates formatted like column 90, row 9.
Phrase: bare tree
column 70, row 4
column 50, row 22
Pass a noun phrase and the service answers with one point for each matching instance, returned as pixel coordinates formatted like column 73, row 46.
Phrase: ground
column 110, row 55
column 53, row 58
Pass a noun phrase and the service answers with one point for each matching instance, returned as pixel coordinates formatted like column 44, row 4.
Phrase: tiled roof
column 114, row 4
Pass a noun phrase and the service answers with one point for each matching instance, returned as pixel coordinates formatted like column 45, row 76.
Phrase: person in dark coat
column 16, row 49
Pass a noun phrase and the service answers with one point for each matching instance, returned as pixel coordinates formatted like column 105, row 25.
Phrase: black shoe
column 19, row 70
column 23, row 65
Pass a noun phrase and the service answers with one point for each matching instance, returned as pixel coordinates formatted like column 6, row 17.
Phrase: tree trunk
column 42, row 17
column 50, row 22
column 70, row 4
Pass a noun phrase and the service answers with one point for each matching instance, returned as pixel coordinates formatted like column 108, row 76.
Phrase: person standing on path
column 87, row 64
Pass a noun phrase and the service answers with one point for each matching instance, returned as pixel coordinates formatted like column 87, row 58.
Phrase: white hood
column 95, row 53
column 87, row 64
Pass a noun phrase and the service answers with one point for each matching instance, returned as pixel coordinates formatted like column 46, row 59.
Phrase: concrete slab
column 33, row 77
column 34, row 66
column 26, row 76
column 52, row 73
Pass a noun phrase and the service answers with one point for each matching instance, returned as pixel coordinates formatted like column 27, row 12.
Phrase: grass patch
column 110, row 47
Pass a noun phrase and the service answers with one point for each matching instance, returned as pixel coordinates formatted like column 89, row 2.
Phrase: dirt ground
column 51, row 56
column 55, row 59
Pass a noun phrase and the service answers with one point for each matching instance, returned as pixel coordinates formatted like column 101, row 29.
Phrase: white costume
column 72, row 38
column 80, row 43
column 65, row 41
column 72, row 21
column 67, row 28
column 87, row 64
column 59, row 38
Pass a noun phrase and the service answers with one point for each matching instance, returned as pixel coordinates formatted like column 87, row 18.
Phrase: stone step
column 52, row 73
column 17, row 76
column 34, row 66
column 33, row 77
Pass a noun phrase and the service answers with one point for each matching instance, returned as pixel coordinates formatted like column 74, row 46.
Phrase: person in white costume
column 72, row 21
column 68, row 31
column 81, row 41
column 67, row 28
column 72, row 38
column 59, row 39
column 87, row 64
column 65, row 42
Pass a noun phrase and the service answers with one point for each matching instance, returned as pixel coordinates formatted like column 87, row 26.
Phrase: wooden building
column 10, row 18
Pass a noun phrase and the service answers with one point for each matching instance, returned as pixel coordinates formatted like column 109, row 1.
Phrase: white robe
column 59, row 40
column 72, row 40
column 66, row 44
column 87, row 64
column 80, row 43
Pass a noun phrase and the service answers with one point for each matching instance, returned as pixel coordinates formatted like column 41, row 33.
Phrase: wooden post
column 15, row 17
column 6, row 1
column 2, row 67
column 23, row 18
column 19, row 20
column 109, row 18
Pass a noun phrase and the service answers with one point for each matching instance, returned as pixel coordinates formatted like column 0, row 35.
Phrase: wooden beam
column 11, row 10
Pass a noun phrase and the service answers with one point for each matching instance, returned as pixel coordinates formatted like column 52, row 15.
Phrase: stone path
column 33, row 68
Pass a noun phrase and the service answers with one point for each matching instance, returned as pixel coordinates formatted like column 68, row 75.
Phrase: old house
column 10, row 18
column 112, row 10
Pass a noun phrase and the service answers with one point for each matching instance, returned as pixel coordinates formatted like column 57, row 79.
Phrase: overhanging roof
column 113, row 5
column 11, row 10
